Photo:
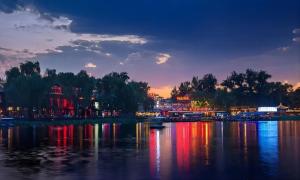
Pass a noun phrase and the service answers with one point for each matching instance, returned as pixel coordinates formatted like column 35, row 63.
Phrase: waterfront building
column 293, row 112
column 282, row 109
column 59, row 105
column 234, row 110
column 182, row 103
column 95, row 104
column 157, row 99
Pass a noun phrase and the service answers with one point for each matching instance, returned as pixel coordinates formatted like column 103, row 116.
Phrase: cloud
column 296, row 31
column 90, row 65
column 283, row 49
column 4, row 66
column 132, row 57
column 26, row 33
column 162, row 58
column 296, row 39
column 108, row 54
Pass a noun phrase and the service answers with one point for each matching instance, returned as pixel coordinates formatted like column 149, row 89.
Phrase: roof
column 281, row 106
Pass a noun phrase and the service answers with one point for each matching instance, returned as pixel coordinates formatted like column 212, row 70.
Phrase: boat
column 157, row 122
column 193, row 116
column 156, row 126
column 6, row 118
column 6, row 121
column 252, row 116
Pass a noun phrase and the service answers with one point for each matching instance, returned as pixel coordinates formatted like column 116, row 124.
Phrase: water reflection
column 181, row 150
column 268, row 144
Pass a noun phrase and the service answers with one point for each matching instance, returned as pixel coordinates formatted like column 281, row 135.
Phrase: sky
column 160, row 42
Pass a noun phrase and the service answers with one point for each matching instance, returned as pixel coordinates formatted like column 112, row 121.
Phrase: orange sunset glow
column 164, row 91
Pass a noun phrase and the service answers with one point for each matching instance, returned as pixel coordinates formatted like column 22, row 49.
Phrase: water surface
column 190, row 150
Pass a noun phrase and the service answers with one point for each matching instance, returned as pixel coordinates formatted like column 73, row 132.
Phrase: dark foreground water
column 196, row 150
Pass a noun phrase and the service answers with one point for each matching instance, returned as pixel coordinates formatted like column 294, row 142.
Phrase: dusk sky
column 163, row 42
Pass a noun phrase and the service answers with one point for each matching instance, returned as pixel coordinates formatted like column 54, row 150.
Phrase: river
column 183, row 150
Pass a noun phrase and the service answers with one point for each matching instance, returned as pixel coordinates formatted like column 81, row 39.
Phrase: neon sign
column 182, row 98
column 199, row 104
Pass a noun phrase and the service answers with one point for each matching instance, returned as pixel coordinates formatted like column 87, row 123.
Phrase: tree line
column 251, row 88
column 25, row 87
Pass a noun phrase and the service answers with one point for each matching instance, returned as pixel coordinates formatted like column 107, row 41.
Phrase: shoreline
column 124, row 120
column 73, row 121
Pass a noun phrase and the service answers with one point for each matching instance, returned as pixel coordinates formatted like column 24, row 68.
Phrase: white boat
column 6, row 118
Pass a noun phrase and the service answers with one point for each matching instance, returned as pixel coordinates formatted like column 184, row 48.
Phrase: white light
column 97, row 106
column 267, row 109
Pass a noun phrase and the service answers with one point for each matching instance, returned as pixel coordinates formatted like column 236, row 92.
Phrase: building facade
column 59, row 105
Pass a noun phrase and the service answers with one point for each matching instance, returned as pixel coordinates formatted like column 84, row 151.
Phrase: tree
column 235, row 84
column 185, row 88
column 50, row 73
column 86, row 84
column 140, row 95
column 13, row 73
column 294, row 98
column 174, row 93
column 116, row 92
column 224, row 99
column 195, row 84
column 251, row 88
column 67, row 81
column 25, row 89
column 278, row 93
column 29, row 68
column 208, row 85
column 261, row 89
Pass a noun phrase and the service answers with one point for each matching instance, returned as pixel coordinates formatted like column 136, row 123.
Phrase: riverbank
column 59, row 122
column 123, row 120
